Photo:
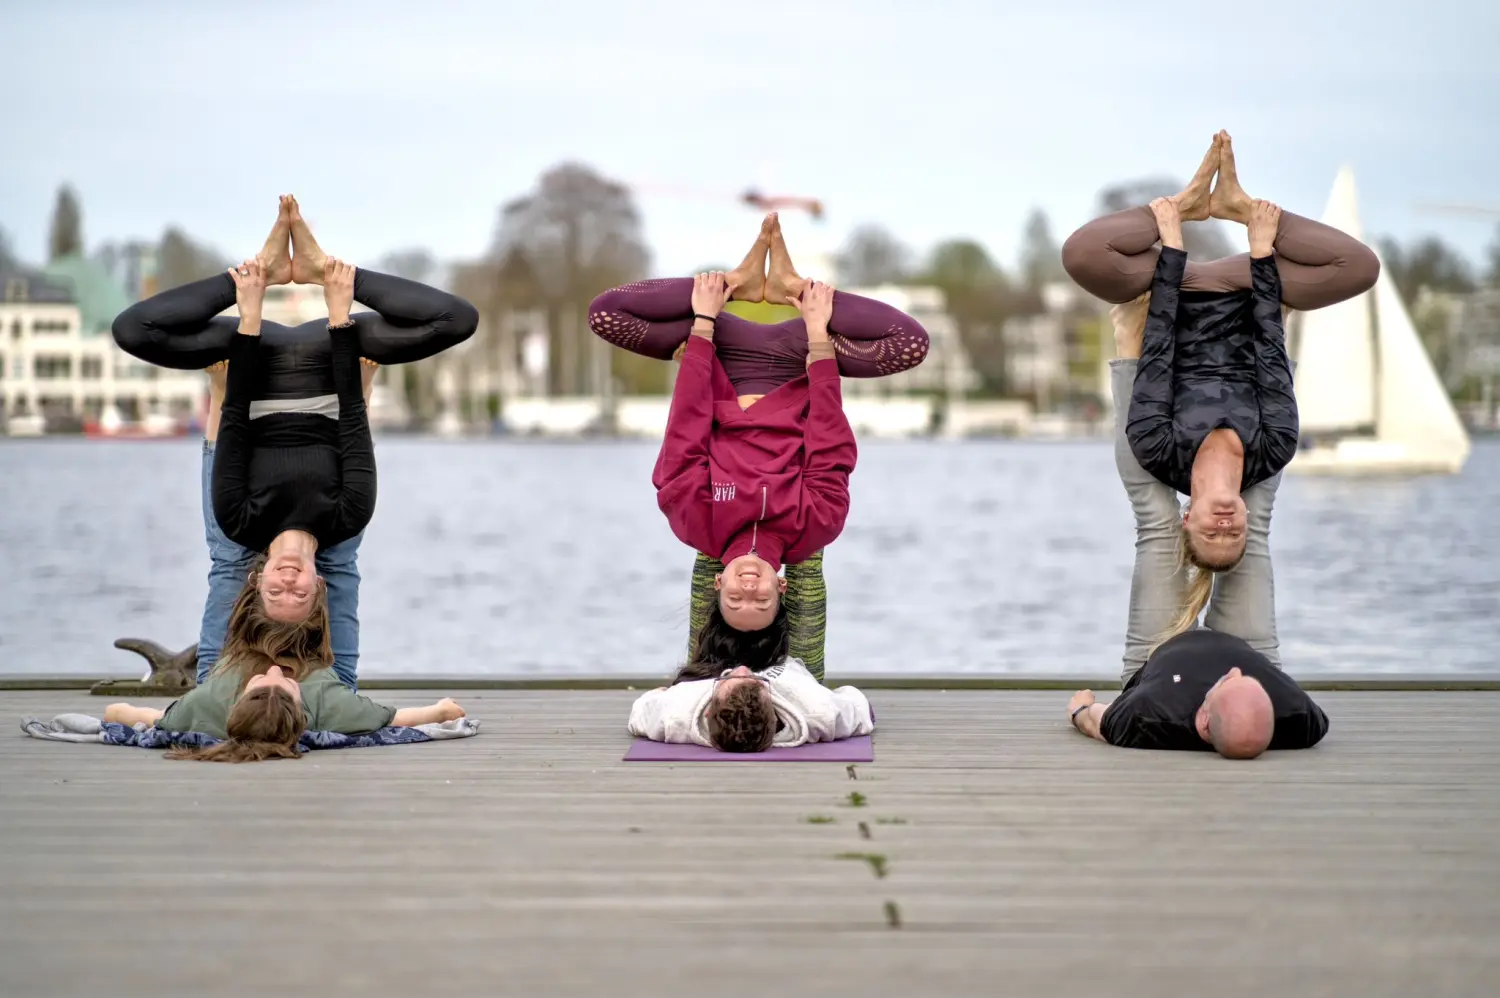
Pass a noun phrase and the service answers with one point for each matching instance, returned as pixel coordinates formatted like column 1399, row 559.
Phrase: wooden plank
column 531, row 860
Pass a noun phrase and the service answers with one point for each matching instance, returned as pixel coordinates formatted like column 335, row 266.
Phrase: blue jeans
column 1244, row 598
column 229, row 564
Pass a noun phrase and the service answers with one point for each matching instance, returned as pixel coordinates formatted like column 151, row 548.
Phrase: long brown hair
column 266, row 722
column 254, row 642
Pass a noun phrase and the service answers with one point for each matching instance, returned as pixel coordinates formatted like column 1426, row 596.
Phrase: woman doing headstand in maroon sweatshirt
column 754, row 469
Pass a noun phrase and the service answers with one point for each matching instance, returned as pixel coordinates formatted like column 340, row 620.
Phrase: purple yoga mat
column 861, row 749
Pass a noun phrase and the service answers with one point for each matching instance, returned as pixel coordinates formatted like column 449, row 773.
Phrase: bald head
column 1241, row 719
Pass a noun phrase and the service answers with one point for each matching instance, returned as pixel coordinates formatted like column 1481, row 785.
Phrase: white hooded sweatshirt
column 807, row 710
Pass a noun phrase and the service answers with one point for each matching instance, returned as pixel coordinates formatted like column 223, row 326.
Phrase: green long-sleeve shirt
column 328, row 703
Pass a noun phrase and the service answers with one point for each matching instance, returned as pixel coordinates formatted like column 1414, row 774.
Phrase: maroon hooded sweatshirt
column 772, row 479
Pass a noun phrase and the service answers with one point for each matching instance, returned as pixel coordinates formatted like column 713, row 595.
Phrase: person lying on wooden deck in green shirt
column 327, row 705
column 274, row 680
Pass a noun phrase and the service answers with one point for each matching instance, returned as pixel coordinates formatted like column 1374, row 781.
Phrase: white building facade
column 55, row 373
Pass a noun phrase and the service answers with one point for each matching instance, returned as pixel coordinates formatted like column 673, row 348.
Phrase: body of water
column 528, row 558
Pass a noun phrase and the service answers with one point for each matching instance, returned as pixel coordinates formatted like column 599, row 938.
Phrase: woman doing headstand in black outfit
column 293, row 469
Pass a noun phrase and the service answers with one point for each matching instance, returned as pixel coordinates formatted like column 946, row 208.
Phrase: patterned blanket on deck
column 83, row 728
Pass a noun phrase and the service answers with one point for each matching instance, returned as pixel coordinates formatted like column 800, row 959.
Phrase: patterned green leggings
column 806, row 606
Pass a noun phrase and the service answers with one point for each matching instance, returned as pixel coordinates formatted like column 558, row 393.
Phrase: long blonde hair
column 1200, row 588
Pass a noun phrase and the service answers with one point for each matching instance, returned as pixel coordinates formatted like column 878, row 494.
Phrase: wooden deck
column 1021, row 858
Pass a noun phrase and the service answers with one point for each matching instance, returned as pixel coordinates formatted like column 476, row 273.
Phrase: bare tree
column 872, row 256
column 1202, row 240
column 572, row 237
column 1041, row 256
column 1492, row 261
column 66, row 235
column 1428, row 263
column 413, row 264
column 980, row 299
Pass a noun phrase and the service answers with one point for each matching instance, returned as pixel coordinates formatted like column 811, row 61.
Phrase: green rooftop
column 99, row 297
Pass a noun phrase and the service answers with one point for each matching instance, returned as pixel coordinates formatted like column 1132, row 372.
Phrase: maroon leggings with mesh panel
column 654, row 318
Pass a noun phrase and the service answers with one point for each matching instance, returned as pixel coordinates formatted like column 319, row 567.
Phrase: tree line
column 578, row 232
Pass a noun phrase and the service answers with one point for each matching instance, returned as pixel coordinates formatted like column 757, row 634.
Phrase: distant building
column 132, row 266
column 59, row 362
column 1054, row 357
column 946, row 370
column 1473, row 353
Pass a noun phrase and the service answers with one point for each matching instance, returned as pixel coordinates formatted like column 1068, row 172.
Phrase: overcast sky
column 407, row 124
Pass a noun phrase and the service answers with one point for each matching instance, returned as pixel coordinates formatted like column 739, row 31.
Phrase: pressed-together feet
column 276, row 254
column 748, row 280
column 308, row 258
column 766, row 274
column 1214, row 191
column 1228, row 199
column 1193, row 202
column 783, row 283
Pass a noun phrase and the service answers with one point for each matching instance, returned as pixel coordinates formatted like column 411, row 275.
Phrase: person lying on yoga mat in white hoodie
column 740, row 710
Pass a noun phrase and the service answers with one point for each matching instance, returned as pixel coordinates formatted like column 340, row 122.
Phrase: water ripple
column 494, row 557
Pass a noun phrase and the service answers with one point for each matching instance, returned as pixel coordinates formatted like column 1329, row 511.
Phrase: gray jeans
column 1244, row 599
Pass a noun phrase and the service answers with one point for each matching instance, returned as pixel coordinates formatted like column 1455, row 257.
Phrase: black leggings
column 182, row 329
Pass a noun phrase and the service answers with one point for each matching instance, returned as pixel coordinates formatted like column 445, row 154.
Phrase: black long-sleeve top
column 293, row 471
column 1212, row 360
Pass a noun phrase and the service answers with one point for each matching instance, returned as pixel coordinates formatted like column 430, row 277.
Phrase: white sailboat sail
column 1414, row 408
column 1364, row 382
column 1335, row 374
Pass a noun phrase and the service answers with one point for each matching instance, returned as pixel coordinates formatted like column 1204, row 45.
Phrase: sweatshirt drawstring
column 755, row 530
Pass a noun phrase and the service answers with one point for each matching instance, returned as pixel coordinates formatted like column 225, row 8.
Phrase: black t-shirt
column 1158, row 707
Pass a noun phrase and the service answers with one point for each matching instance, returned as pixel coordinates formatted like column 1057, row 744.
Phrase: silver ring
column 244, row 273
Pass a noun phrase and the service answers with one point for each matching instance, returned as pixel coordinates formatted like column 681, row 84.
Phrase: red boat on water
column 155, row 426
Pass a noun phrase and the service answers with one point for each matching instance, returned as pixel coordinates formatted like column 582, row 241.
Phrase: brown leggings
column 1114, row 257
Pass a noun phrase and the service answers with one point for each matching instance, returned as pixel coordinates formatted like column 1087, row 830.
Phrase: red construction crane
column 763, row 202
column 751, row 198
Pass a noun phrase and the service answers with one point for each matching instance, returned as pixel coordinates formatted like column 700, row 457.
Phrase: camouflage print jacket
column 1211, row 360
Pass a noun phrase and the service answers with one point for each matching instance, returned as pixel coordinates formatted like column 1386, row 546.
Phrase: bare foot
column 782, row 280
column 367, row 369
column 218, row 381
column 218, row 377
column 749, row 278
column 448, row 710
column 277, row 252
column 308, row 257
column 1228, row 199
column 1192, row 203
